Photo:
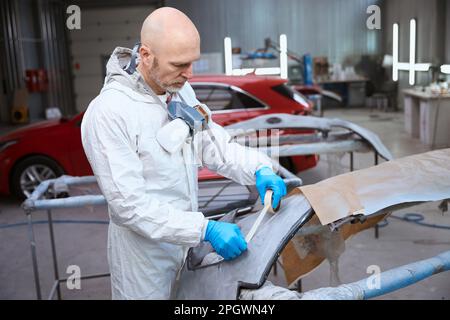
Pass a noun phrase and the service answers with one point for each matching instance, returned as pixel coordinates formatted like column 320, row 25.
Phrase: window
column 224, row 98
column 290, row 93
column 215, row 98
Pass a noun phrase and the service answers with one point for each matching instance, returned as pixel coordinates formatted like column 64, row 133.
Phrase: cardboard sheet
column 422, row 177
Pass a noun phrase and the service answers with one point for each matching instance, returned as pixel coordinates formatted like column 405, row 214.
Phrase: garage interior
column 383, row 65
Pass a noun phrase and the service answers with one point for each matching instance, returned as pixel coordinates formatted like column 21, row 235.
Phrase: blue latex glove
column 226, row 238
column 267, row 179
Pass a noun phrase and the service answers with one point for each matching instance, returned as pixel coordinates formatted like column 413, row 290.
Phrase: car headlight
column 5, row 144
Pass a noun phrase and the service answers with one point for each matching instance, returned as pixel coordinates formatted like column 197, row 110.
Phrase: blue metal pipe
column 71, row 202
column 389, row 281
column 406, row 275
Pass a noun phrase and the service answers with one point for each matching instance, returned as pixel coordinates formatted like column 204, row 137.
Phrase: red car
column 49, row 149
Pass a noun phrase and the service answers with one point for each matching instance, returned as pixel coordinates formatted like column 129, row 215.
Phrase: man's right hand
column 226, row 238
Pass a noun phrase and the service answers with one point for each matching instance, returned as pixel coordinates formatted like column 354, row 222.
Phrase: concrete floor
column 84, row 245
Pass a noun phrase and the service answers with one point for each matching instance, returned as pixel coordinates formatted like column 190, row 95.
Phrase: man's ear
column 146, row 56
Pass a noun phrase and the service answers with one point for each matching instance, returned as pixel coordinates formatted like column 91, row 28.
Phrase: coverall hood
column 115, row 72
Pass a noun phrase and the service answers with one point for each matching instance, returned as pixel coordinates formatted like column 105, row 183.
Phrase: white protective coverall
column 151, row 193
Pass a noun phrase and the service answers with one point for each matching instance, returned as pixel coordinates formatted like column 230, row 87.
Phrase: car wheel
column 29, row 173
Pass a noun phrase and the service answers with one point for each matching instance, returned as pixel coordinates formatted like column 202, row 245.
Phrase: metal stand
column 35, row 203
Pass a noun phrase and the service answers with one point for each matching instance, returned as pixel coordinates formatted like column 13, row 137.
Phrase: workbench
column 427, row 117
column 352, row 90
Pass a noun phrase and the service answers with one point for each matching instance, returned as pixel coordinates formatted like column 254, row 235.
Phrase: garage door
column 101, row 31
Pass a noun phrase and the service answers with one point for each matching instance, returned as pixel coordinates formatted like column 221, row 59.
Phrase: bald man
column 147, row 169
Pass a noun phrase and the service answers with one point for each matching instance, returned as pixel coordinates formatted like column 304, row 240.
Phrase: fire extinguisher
column 31, row 80
column 42, row 80
column 36, row 80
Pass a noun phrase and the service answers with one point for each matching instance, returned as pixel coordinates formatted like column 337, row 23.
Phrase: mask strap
column 131, row 66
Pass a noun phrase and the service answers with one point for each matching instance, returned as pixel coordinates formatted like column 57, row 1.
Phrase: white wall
column 447, row 35
column 333, row 28
column 101, row 31
column 430, row 35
